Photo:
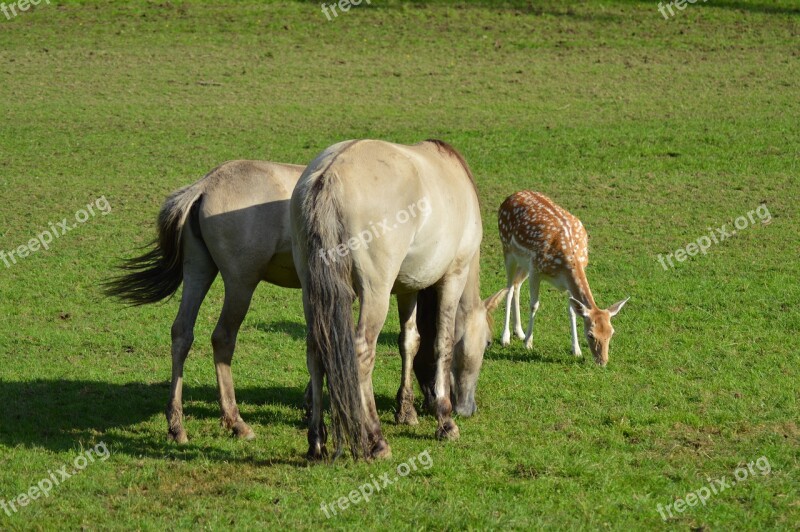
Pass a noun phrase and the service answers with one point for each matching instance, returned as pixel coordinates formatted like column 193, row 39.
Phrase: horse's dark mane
column 444, row 147
column 428, row 309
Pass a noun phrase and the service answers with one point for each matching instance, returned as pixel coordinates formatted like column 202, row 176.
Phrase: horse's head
column 473, row 336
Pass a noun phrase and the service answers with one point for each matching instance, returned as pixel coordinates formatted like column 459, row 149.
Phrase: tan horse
column 371, row 218
column 238, row 225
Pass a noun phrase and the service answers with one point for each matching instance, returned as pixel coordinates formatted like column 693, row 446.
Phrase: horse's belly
column 425, row 266
column 281, row 271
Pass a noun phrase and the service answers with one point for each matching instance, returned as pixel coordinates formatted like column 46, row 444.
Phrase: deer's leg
column 506, row 339
column 511, row 271
column 573, row 327
column 409, row 345
column 237, row 301
column 534, row 282
column 517, row 319
column 515, row 277
column 199, row 272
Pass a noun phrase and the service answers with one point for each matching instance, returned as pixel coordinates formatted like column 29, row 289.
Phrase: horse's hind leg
column 374, row 308
column 199, row 272
column 317, row 434
column 409, row 345
column 237, row 301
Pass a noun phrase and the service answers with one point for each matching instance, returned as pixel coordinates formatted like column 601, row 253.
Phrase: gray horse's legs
column 223, row 339
column 409, row 345
column 199, row 272
column 317, row 433
column 308, row 397
column 374, row 308
column 449, row 291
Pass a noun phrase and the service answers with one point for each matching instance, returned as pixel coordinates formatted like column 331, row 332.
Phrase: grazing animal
column 372, row 218
column 234, row 221
column 544, row 241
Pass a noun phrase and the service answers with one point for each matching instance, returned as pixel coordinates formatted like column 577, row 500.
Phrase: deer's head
column 597, row 326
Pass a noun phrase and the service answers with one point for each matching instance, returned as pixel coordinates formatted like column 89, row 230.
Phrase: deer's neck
column 578, row 286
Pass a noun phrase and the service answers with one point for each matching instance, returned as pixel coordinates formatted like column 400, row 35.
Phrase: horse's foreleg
column 307, row 398
column 449, row 292
column 409, row 345
column 223, row 339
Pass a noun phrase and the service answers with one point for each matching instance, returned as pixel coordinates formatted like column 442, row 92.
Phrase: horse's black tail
column 157, row 274
column 331, row 332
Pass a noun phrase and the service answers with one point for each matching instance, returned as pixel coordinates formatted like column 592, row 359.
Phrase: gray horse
column 238, row 225
column 235, row 221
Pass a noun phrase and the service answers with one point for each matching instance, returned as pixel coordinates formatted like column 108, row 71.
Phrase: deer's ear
column 614, row 309
column 579, row 307
column 492, row 301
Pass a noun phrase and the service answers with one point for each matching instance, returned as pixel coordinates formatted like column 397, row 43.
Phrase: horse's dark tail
column 157, row 274
column 331, row 332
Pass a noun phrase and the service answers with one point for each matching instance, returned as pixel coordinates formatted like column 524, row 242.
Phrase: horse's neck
column 471, row 297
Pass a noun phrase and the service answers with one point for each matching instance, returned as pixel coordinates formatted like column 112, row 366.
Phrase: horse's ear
column 492, row 301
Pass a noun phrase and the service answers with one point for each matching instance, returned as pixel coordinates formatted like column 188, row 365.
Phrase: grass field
column 653, row 131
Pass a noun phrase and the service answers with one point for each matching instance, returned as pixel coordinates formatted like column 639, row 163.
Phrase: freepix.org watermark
column 344, row 6
column 54, row 478
column 374, row 485
column 714, row 487
column 10, row 9
column 376, row 231
column 715, row 236
column 680, row 4
column 46, row 237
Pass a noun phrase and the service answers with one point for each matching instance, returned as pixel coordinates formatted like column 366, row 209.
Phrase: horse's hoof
column 243, row 431
column 406, row 416
column 448, row 431
column 317, row 452
column 178, row 435
column 380, row 450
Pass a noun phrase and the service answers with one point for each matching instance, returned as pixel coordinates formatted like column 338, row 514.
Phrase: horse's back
column 412, row 210
column 244, row 219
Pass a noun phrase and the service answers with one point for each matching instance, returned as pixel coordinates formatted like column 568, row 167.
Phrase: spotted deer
column 543, row 241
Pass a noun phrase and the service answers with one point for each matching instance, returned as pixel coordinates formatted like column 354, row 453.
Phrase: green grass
column 649, row 130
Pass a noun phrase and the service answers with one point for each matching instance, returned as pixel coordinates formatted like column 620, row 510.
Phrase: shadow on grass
column 518, row 353
column 518, row 6
column 56, row 414
column 298, row 331
column 767, row 8
column 576, row 11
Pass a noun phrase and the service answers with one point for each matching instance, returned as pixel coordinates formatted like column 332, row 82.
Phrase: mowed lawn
column 655, row 132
